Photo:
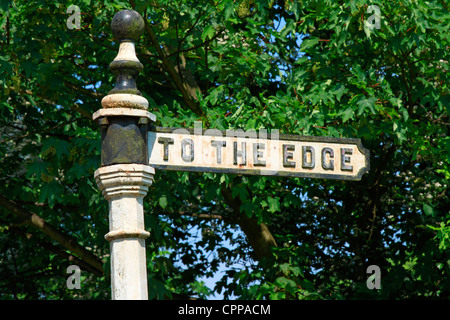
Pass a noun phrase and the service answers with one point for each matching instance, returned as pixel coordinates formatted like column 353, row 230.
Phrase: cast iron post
column 125, row 175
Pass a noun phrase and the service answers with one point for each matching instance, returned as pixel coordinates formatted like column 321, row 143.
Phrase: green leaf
column 55, row 146
column 308, row 44
column 4, row 4
column 347, row 114
column 240, row 191
column 37, row 168
column 208, row 33
column 163, row 201
column 50, row 192
column 5, row 66
column 229, row 10
column 251, row 124
column 339, row 91
column 428, row 210
column 274, row 204
column 286, row 283
column 359, row 73
column 366, row 103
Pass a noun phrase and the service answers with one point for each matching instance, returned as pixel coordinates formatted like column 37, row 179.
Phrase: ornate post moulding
column 124, row 100
column 125, row 186
column 124, row 180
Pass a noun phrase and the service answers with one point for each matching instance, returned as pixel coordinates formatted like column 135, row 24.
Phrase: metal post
column 125, row 175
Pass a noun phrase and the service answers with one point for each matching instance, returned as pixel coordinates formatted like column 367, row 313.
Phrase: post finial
column 127, row 27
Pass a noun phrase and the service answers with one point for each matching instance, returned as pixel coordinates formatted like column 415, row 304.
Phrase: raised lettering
column 239, row 153
column 187, row 157
column 287, row 155
column 257, row 162
column 218, row 145
column 327, row 165
column 165, row 141
column 312, row 158
column 345, row 159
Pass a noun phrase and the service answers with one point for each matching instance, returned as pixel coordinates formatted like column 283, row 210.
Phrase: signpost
column 132, row 148
column 256, row 153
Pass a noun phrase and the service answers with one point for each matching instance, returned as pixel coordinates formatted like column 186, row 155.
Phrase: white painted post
column 125, row 175
column 125, row 186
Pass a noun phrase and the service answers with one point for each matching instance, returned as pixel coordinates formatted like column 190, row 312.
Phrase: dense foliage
column 314, row 67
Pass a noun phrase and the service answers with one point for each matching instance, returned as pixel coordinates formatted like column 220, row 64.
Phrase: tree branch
column 85, row 91
column 258, row 234
column 46, row 245
column 183, row 79
column 197, row 215
column 65, row 240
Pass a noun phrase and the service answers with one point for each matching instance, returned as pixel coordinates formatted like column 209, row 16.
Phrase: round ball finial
column 127, row 25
